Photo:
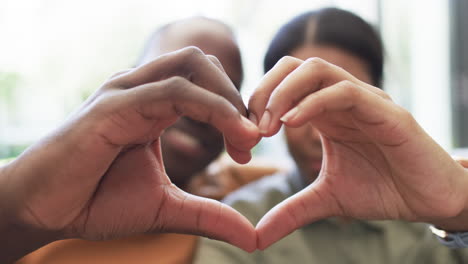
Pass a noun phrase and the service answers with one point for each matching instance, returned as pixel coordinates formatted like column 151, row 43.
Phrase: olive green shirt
column 326, row 241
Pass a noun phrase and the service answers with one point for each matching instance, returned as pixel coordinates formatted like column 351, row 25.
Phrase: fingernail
column 253, row 118
column 289, row 115
column 265, row 122
column 248, row 123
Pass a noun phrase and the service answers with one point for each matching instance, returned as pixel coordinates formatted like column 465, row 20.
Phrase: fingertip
column 251, row 244
column 263, row 241
column 250, row 126
column 241, row 157
column 264, row 237
column 269, row 124
column 264, row 124
column 275, row 225
column 239, row 143
column 246, row 157
column 255, row 244
column 251, row 248
column 214, row 220
column 273, row 130
column 253, row 118
column 244, row 235
column 290, row 115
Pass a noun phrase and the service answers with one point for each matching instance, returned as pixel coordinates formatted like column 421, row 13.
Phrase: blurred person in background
column 189, row 146
column 194, row 144
column 347, row 41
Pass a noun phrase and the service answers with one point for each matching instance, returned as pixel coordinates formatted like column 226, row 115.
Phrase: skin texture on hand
column 378, row 163
column 101, row 175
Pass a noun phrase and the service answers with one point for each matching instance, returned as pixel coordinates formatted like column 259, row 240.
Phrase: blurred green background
column 55, row 53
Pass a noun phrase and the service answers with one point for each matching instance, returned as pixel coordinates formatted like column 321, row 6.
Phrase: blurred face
column 189, row 146
column 304, row 142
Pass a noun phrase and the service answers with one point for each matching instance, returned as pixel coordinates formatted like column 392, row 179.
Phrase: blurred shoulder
column 256, row 198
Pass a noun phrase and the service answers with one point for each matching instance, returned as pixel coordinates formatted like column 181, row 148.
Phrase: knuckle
column 403, row 113
column 119, row 80
column 189, row 58
column 122, row 72
column 289, row 60
column 316, row 63
column 214, row 59
column 384, row 95
column 106, row 103
column 216, row 62
column 350, row 88
column 219, row 102
column 106, row 87
column 176, row 81
column 191, row 52
column 349, row 84
column 405, row 118
column 175, row 86
column 111, row 83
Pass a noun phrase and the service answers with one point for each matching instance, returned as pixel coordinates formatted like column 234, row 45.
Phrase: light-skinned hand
column 378, row 163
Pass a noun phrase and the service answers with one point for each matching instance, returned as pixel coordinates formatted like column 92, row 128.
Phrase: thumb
column 298, row 210
column 186, row 213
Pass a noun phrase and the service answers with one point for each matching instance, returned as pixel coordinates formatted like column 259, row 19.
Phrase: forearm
column 34, row 201
column 17, row 239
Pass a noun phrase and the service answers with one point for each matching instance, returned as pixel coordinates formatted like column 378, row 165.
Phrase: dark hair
column 199, row 37
column 335, row 27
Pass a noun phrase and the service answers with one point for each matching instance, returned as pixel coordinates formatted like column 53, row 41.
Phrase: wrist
column 18, row 240
column 18, row 237
column 454, row 224
column 459, row 221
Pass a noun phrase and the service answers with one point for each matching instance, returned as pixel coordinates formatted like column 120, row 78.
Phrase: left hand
column 378, row 163
column 101, row 175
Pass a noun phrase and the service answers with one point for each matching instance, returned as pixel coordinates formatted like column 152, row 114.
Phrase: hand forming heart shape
column 101, row 174
column 378, row 163
column 111, row 182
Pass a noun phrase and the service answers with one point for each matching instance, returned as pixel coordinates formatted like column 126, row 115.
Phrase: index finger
column 311, row 76
column 166, row 100
column 189, row 63
column 270, row 81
